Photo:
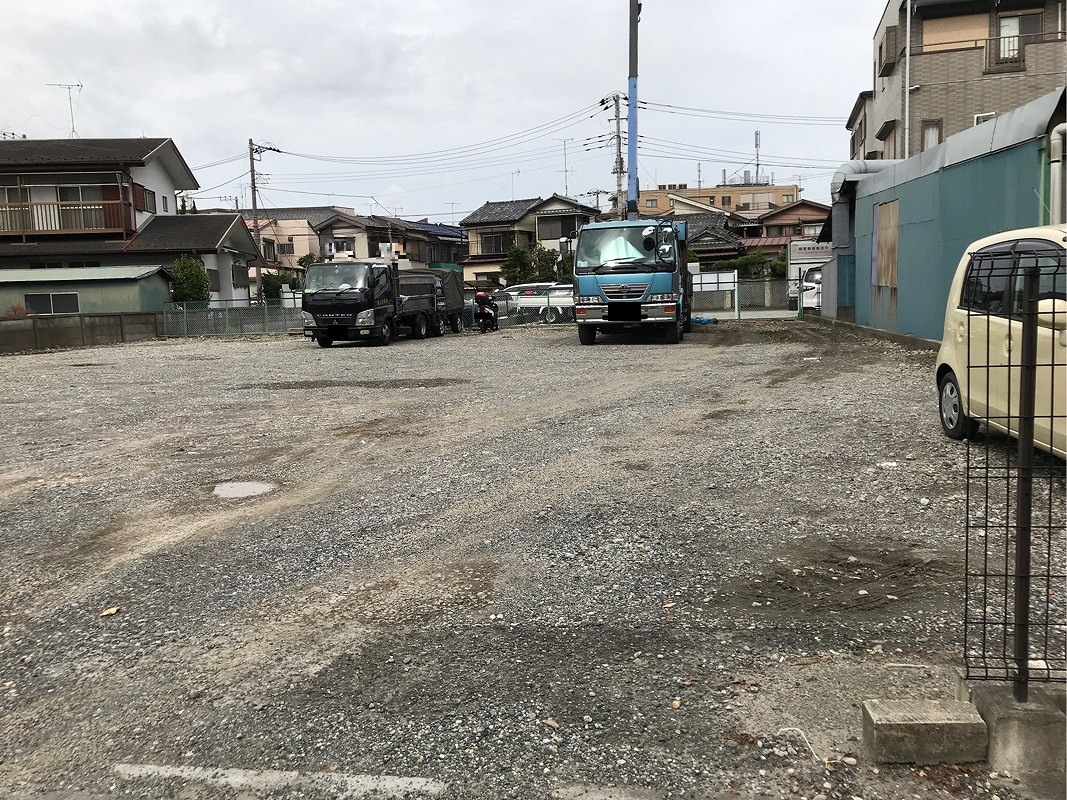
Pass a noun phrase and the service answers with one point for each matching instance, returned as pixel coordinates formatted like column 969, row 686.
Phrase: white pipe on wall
column 1056, row 169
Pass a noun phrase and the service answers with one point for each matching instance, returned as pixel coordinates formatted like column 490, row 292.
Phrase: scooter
column 485, row 315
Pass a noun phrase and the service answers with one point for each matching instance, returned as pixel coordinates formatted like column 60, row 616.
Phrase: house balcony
column 97, row 216
column 1001, row 54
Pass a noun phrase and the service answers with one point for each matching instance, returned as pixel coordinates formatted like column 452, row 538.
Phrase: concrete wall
column 26, row 334
column 939, row 215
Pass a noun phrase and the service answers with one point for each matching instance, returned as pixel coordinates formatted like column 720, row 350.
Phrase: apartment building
column 942, row 66
column 742, row 196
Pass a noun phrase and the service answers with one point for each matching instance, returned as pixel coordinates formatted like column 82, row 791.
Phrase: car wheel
column 586, row 334
column 550, row 315
column 955, row 423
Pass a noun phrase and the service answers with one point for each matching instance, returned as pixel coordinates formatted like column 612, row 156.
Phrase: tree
column 272, row 283
column 190, row 280
column 308, row 259
column 755, row 265
column 530, row 264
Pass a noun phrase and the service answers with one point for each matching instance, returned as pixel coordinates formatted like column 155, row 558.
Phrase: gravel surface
column 487, row 566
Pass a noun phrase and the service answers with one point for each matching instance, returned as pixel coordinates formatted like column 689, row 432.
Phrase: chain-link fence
column 722, row 295
column 230, row 318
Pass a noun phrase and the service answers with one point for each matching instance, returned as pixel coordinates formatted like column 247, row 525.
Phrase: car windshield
column 336, row 276
column 625, row 249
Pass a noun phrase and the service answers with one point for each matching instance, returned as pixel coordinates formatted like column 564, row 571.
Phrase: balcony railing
column 1002, row 53
column 65, row 217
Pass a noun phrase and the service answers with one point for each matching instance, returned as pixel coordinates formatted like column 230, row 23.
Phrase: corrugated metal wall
column 939, row 215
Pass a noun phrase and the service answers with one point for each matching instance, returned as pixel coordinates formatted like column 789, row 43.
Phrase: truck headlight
column 661, row 298
column 591, row 298
column 309, row 319
column 365, row 317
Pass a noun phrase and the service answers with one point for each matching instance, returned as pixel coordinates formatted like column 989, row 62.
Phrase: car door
column 983, row 338
column 1051, row 377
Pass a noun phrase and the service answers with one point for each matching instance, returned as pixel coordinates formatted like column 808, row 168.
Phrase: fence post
column 185, row 312
column 1024, row 487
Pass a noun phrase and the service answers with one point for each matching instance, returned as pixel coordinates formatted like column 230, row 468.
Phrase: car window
column 987, row 282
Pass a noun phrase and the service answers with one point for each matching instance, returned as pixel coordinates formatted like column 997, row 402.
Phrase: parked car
column 812, row 287
column 978, row 365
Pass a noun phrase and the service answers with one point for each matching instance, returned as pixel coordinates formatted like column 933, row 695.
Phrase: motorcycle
column 485, row 314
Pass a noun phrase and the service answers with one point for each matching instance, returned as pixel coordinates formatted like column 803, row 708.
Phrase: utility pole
column 619, row 170
column 631, row 121
column 253, row 151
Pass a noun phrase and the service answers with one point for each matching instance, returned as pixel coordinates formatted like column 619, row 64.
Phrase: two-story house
column 942, row 66
column 496, row 227
column 83, row 221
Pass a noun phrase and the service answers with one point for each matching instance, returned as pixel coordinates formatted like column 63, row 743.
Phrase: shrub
column 190, row 280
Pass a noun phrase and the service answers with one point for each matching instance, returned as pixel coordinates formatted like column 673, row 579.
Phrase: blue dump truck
column 632, row 274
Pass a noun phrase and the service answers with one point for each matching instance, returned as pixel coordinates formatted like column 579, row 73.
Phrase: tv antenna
column 70, row 102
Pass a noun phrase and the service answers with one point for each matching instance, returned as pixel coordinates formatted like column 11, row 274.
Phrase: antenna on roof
column 70, row 102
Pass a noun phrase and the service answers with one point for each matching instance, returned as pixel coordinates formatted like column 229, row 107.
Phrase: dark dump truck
column 350, row 300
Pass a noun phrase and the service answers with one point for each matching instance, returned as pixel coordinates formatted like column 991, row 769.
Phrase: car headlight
column 365, row 317
column 309, row 318
column 590, row 298
column 661, row 298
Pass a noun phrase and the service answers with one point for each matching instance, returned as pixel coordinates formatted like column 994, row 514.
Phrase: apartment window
column 931, row 133
column 52, row 302
column 150, row 201
column 1015, row 31
column 884, row 245
column 497, row 243
column 83, row 264
column 651, row 203
column 787, row 198
column 286, row 249
column 727, row 200
column 812, row 230
column 711, row 200
column 269, row 251
column 46, row 265
column 164, row 199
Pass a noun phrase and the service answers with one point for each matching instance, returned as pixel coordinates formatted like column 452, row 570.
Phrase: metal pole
column 620, row 170
column 907, row 87
column 255, row 219
column 1024, row 487
column 631, row 121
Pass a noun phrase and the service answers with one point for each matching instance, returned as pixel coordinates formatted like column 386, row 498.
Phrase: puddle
column 238, row 489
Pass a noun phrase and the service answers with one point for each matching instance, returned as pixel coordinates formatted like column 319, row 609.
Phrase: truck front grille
column 624, row 291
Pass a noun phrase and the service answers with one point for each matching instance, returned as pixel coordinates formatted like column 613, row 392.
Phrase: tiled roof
column 500, row 213
column 315, row 215
column 70, row 152
column 767, row 241
column 185, row 232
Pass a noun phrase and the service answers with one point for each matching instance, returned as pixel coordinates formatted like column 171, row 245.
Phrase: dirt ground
column 484, row 566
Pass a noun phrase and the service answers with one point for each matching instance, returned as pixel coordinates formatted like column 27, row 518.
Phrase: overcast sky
column 430, row 108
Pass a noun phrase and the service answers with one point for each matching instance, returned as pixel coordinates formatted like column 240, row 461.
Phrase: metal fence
column 1015, row 615
column 725, row 296
column 230, row 318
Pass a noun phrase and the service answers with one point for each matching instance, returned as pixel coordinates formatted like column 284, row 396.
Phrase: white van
column 978, row 365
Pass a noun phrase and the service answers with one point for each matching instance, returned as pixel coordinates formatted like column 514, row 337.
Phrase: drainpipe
column 1056, row 187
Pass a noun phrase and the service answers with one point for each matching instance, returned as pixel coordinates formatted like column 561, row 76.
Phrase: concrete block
column 923, row 732
column 1023, row 737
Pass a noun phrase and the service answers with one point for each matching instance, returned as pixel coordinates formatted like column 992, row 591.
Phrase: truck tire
column 419, row 327
column 455, row 322
column 586, row 334
column 438, row 327
column 323, row 340
column 386, row 335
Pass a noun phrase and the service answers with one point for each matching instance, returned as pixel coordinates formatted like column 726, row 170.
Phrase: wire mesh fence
column 1015, row 345
column 230, row 318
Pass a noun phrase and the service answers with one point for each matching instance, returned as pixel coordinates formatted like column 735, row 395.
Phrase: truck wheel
column 586, row 334
column 323, row 340
column 438, row 328
column 386, row 335
column 419, row 327
column 455, row 322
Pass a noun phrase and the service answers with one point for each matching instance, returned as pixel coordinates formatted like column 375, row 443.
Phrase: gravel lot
column 491, row 566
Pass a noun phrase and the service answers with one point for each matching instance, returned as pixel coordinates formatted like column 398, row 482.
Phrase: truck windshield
column 335, row 276
column 619, row 250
